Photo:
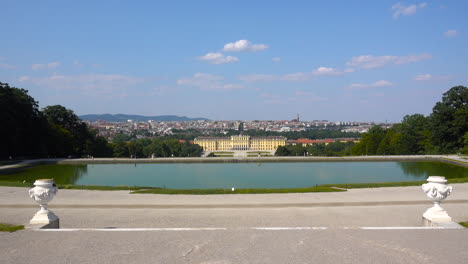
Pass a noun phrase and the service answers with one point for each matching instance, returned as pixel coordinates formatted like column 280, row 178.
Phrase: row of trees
column 331, row 149
column 146, row 147
column 55, row 131
column 444, row 131
column 190, row 134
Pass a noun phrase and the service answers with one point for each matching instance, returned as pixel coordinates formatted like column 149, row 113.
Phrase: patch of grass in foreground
column 239, row 191
column 388, row 184
column 10, row 228
column 9, row 162
column 104, row 188
column 158, row 190
column 15, row 184
column 464, row 224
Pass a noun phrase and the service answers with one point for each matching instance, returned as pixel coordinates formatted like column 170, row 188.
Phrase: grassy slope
column 10, row 228
column 239, row 191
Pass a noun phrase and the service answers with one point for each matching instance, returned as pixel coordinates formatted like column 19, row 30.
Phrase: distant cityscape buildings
column 156, row 128
column 240, row 142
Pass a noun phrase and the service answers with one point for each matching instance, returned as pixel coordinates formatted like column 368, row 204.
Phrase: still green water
column 238, row 175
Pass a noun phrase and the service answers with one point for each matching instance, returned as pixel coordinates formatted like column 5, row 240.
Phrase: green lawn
column 388, row 184
column 239, row 191
column 8, row 162
column 464, row 224
column 10, row 228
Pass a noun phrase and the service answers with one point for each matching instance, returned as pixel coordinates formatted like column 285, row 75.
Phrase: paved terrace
column 378, row 225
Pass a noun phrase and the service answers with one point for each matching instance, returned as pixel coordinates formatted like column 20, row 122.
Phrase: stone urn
column 437, row 190
column 43, row 192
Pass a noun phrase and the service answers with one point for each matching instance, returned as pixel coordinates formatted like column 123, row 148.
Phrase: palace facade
column 241, row 142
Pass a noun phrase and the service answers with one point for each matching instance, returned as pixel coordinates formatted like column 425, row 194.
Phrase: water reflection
column 62, row 174
column 239, row 175
column 425, row 169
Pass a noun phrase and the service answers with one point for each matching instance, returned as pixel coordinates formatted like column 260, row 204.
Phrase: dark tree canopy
column 449, row 120
column 20, row 121
column 444, row 131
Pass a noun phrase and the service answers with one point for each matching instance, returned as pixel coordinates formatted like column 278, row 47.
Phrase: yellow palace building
column 241, row 142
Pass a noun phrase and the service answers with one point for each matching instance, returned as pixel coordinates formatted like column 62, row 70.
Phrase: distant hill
column 124, row 118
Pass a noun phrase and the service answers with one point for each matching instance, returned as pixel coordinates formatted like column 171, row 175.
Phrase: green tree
column 465, row 148
column 22, row 127
column 282, row 151
column 449, row 120
column 120, row 149
column 414, row 131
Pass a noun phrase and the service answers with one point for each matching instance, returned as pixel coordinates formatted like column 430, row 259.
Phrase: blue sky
column 335, row 60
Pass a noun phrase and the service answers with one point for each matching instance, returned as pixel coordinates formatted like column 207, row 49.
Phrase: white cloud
column 23, row 78
column 297, row 97
column 370, row 61
column 451, row 33
column 358, row 86
column 308, row 96
column 6, row 66
column 51, row 65
column 296, row 77
column 276, row 59
column 89, row 84
column 423, row 77
column 206, row 81
column 400, row 9
column 243, row 45
column 293, row 77
column 325, row 71
column 258, row 78
column 218, row 58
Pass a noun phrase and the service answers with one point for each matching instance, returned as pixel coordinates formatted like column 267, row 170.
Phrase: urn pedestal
column 437, row 190
column 43, row 192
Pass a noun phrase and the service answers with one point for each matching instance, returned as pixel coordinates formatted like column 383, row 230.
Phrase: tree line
column 331, row 149
column 314, row 133
column 444, row 131
column 55, row 131
column 146, row 147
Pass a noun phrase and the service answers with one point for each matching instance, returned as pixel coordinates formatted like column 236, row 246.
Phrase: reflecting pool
column 238, row 175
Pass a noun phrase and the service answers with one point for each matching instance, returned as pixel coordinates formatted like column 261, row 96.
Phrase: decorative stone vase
column 43, row 193
column 437, row 190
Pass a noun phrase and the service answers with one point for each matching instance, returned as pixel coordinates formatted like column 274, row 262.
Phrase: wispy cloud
column 294, row 77
column 360, row 86
column 423, row 77
column 298, row 97
column 243, row 45
column 451, row 33
column 218, row 58
column 206, row 81
column 6, row 66
column 430, row 77
column 89, row 84
column 24, row 78
column 51, row 65
column 276, row 59
column 370, row 61
column 406, row 10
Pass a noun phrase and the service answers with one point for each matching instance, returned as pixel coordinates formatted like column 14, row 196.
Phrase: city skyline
column 372, row 61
